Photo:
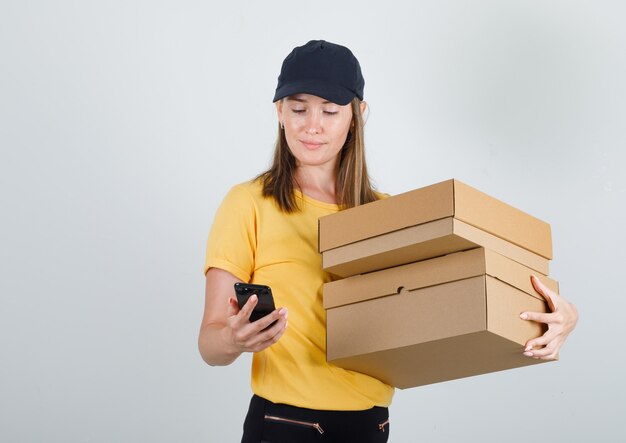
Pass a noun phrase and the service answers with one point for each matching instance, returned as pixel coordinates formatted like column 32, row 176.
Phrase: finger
column 264, row 322
column 247, row 309
column 540, row 342
column 251, row 335
column 539, row 317
column 268, row 326
column 270, row 337
column 550, row 352
column 274, row 337
column 546, row 292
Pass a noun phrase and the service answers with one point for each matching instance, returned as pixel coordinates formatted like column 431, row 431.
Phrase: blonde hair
column 353, row 184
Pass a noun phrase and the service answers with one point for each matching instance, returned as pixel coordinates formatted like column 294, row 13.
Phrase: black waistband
column 275, row 421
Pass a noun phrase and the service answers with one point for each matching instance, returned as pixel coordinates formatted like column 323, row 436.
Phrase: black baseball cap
column 323, row 69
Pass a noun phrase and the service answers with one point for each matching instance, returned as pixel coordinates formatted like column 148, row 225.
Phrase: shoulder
column 248, row 197
column 250, row 191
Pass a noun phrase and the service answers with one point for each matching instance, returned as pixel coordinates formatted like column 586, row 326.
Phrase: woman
column 266, row 232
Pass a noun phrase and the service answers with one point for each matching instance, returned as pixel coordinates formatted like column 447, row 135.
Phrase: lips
column 311, row 144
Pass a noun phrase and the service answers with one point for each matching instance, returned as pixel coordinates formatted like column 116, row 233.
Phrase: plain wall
column 124, row 123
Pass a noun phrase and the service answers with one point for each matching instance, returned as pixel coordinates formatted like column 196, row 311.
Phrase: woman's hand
column 226, row 331
column 561, row 321
column 253, row 337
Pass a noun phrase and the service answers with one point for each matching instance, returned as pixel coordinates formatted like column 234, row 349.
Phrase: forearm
column 215, row 347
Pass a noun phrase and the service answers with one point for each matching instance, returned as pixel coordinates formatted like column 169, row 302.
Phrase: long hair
column 353, row 184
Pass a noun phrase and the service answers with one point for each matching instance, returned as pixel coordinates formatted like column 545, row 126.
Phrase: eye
column 298, row 111
column 331, row 112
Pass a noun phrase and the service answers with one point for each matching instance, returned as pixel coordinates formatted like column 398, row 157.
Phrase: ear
column 279, row 110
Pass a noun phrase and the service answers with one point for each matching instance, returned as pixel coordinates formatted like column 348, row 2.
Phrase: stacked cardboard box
column 433, row 284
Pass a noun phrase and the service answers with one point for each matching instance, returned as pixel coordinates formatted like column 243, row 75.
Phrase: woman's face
column 315, row 128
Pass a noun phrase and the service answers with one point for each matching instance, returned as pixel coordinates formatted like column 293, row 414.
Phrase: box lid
column 445, row 199
column 448, row 268
column 421, row 242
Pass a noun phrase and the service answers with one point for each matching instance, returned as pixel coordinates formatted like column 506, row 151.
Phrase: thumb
column 546, row 292
column 233, row 307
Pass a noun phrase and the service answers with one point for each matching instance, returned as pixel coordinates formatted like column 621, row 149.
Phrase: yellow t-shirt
column 257, row 243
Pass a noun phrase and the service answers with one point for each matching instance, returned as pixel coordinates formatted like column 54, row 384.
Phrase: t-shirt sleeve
column 232, row 240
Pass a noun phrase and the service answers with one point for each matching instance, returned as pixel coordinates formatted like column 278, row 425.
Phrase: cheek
column 294, row 122
column 341, row 128
column 291, row 131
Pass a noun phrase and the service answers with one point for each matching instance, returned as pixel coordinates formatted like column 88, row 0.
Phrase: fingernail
column 523, row 316
column 528, row 348
column 283, row 312
column 528, row 354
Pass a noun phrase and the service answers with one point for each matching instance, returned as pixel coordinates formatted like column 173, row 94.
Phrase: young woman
column 265, row 232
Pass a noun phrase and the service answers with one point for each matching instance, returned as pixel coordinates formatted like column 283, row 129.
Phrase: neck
column 318, row 182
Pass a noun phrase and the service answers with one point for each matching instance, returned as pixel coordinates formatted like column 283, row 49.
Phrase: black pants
column 269, row 422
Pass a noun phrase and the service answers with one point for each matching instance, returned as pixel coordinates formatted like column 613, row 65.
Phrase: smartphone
column 265, row 305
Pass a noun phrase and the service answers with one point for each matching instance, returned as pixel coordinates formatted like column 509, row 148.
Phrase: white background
column 124, row 123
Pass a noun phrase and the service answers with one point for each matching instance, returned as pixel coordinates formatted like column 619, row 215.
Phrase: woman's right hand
column 254, row 337
column 226, row 330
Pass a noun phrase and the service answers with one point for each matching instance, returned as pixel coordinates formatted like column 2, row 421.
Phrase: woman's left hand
column 561, row 321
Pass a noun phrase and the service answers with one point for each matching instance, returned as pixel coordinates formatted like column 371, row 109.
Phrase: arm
column 225, row 332
column 561, row 321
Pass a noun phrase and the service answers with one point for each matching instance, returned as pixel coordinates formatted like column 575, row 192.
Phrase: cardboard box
column 436, row 220
column 421, row 242
column 441, row 319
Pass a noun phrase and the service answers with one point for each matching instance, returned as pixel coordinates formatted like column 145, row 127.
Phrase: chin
column 310, row 160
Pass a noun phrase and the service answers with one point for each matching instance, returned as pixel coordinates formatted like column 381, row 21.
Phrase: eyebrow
column 301, row 100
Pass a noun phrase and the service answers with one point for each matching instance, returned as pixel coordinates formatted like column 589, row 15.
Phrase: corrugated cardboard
column 442, row 200
column 441, row 319
column 420, row 242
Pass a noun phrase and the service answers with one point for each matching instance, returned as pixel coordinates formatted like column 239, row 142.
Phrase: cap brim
column 331, row 92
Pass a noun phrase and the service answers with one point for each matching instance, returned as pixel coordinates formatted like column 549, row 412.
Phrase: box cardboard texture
column 428, row 222
column 441, row 319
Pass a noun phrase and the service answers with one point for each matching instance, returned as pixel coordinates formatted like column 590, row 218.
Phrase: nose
column 313, row 123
